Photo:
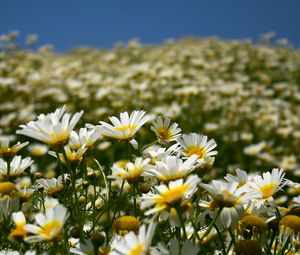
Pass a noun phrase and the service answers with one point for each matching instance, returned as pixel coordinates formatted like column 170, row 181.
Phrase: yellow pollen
column 58, row 139
column 124, row 128
column 122, row 163
column 7, row 187
column 55, row 190
column 164, row 134
column 50, row 229
column 172, row 177
column 268, row 190
column 18, row 232
column 254, row 221
column 127, row 223
column 229, row 200
column 137, row 250
column 292, row 222
column 195, row 150
column 172, row 195
column 135, row 171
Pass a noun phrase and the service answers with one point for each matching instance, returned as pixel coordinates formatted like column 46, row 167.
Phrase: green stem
column 104, row 178
column 149, row 145
column 195, row 230
column 62, row 175
column 212, row 223
column 231, row 235
column 222, row 241
column 118, row 201
column 182, row 223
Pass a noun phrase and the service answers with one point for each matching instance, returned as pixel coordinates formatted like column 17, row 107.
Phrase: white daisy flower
column 131, row 171
column 85, row 137
column 20, row 221
column 164, row 131
column 230, row 197
column 194, row 144
column 124, row 129
column 159, row 154
column 269, row 183
column 6, row 150
column 51, row 186
column 241, row 177
column 137, row 244
column 38, row 149
column 49, row 225
column 172, row 168
column 53, row 128
column 17, row 166
column 176, row 193
column 73, row 155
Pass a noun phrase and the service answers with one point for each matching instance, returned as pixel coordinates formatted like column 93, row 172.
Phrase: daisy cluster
column 244, row 95
column 154, row 197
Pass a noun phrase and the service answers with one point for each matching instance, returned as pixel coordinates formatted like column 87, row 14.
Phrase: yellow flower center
column 166, row 178
column 135, row 171
column 254, row 221
column 126, row 127
column 58, row 139
column 18, row 232
column 268, row 190
column 54, row 190
column 228, row 200
column 164, row 134
column 172, row 195
column 137, row 250
column 195, row 150
column 127, row 223
column 291, row 222
column 50, row 229
column 122, row 163
column 7, row 187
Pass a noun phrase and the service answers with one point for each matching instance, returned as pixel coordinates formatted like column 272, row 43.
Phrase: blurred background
column 96, row 23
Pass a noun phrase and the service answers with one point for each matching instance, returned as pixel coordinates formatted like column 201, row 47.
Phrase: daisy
column 84, row 137
column 289, row 233
column 7, row 188
column 124, row 129
column 173, row 168
column 241, row 177
column 134, row 244
column 159, row 154
column 49, row 225
column 51, row 186
column 53, row 128
column 176, row 193
column 228, row 197
column 164, row 131
column 131, row 171
column 269, row 183
column 73, row 155
column 17, row 166
column 38, row 149
column 6, row 151
column 194, row 144
column 124, row 224
column 20, row 221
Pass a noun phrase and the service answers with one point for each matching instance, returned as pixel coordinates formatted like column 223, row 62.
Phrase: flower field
column 188, row 147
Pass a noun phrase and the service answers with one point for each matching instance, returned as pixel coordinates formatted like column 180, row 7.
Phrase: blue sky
column 99, row 23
